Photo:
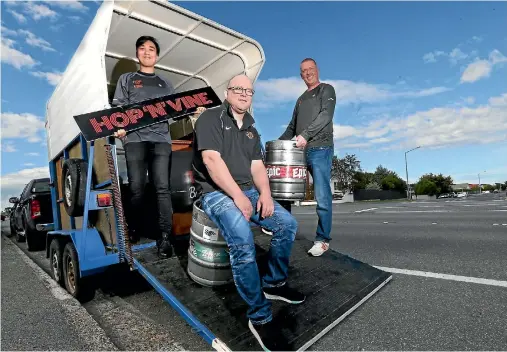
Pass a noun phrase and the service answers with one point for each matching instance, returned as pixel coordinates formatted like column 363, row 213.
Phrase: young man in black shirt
column 149, row 148
column 228, row 165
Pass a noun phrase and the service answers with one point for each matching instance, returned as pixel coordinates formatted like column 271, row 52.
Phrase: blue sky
column 406, row 74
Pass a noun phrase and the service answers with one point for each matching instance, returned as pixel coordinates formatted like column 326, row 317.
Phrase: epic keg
column 286, row 168
column 208, row 256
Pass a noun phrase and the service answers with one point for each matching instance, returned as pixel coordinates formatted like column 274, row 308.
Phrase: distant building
column 461, row 187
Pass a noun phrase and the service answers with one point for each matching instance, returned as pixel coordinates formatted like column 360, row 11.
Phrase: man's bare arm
column 220, row 173
column 260, row 177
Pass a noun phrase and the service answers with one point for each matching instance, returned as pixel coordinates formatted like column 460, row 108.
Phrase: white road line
column 414, row 211
column 498, row 210
column 363, row 210
column 475, row 280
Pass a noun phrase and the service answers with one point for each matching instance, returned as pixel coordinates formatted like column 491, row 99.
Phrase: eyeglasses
column 239, row 90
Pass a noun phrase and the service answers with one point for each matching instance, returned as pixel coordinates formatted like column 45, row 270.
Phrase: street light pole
column 480, row 186
column 406, row 171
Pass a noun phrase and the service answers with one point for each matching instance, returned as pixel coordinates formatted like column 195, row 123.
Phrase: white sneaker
column 318, row 248
column 269, row 233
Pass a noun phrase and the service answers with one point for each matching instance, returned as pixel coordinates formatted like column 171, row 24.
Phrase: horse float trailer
column 89, row 181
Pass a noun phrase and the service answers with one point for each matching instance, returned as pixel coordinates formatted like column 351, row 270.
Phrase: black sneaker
column 269, row 336
column 284, row 293
column 165, row 248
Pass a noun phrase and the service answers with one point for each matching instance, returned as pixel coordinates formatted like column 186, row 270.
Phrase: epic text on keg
column 286, row 172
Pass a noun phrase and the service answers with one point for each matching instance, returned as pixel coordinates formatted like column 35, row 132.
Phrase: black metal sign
column 132, row 117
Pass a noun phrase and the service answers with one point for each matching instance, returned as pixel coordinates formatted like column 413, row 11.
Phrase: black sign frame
column 131, row 117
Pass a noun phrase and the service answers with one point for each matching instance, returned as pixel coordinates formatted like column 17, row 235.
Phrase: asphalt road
column 465, row 237
column 35, row 317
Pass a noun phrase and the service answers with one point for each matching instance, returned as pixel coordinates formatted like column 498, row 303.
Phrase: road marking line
column 470, row 279
column 498, row 210
column 414, row 211
column 363, row 210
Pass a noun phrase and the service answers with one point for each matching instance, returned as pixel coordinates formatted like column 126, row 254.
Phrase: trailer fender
column 64, row 237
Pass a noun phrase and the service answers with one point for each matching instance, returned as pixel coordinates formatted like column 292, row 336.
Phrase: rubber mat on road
column 335, row 285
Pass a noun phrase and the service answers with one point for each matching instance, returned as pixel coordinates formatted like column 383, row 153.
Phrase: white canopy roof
column 195, row 52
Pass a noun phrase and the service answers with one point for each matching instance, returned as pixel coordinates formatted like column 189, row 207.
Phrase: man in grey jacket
column 312, row 124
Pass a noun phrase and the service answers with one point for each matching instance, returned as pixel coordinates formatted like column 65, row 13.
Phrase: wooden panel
column 102, row 225
column 101, row 170
column 182, row 223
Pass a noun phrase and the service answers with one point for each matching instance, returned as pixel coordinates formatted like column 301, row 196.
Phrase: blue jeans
column 319, row 161
column 239, row 237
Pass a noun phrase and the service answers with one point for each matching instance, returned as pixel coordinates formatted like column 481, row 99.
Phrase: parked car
column 31, row 208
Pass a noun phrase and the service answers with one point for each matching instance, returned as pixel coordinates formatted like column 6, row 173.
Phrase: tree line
column 350, row 176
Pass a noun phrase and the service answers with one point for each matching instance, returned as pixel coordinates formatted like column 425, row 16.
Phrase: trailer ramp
column 335, row 285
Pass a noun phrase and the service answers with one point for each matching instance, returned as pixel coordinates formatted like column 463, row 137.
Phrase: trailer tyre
column 55, row 260
column 80, row 288
column 74, row 175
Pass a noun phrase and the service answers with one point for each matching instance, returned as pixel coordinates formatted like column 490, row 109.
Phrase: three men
column 312, row 124
column 228, row 165
column 149, row 148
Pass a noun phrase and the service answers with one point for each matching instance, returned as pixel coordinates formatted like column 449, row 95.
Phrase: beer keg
column 208, row 254
column 286, row 168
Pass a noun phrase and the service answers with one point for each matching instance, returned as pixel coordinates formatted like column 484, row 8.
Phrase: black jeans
column 154, row 158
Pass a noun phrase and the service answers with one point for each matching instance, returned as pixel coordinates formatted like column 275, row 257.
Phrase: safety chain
column 125, row 246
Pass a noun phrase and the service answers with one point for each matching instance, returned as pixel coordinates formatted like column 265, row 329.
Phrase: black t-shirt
column 135, row 87
column 216, row 129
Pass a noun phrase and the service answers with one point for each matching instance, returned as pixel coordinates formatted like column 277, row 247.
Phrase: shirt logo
column 138, row 83
column 228, row 128
column 249, row 135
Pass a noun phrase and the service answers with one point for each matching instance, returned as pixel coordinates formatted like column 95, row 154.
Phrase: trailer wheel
column 55, row 260
column 77, row 286
column 74, row 174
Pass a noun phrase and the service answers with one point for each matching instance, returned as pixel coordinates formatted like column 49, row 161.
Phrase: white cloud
column 498, row 101
column 38, row 11
column 434, row 128
column 32, row 154
column 19, row 17
column 33, row 40
column 24, row 126
column 8, row 147
column 12, row 184
column 454, row 56
column 477, row 39
column 69, row 5
column 14, row 57
column 275, row 91
column 432, row 57
column 482, row 68
column 476, row 70
column 52, row 77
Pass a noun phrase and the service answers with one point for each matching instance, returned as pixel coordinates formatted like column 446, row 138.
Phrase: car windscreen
column 40, row 187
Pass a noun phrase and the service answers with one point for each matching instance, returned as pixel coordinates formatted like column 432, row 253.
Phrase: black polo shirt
column 216, row 129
